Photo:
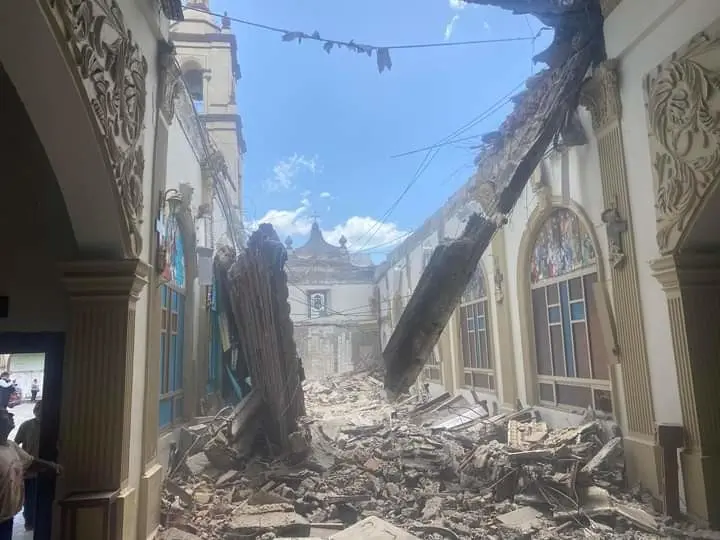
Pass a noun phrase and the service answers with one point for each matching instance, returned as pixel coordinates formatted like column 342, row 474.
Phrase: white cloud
column 364, row 233
column 325, row 195
column 286, row 170
column 305, row 202
column 486, row 26
column 457, row 4
column 450, row 27
column 360, row 231
column 306, row 193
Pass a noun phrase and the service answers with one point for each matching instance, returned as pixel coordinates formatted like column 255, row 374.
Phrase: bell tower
column 206, row 50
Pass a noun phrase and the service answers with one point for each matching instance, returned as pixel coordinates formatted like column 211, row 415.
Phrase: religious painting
column 317, row 303
column 476, row 288
column 563, row 245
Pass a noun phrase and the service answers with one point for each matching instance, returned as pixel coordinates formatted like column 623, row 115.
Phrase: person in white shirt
column 15, row 463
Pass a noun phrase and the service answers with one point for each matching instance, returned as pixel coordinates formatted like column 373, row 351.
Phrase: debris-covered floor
column 439, row 469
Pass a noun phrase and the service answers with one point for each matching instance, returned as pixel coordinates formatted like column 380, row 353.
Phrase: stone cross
column 615, row 226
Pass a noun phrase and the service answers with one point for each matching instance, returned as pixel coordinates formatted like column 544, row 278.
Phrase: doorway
column 23, row 354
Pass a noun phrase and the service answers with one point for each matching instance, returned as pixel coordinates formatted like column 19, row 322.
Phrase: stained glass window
column 475, row 335
column 562, row 246
column 571, row 360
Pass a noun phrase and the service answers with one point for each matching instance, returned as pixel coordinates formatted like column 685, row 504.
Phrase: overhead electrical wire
column 433, row 150
column 316, row 37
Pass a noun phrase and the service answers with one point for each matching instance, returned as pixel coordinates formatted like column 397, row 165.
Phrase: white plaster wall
column 347, row 302
column 183, row 166
column 642, row 34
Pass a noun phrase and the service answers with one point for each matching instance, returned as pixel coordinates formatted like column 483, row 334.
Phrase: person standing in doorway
column 28, row 437
column 7, row 389
column 34, row 389
column 15, row 463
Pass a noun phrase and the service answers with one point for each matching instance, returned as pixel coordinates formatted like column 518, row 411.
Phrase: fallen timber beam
column 433, row 302
column 544, row 114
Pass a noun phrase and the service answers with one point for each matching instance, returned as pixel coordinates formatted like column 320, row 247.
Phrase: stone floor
column 19, row 532
column 22, row 412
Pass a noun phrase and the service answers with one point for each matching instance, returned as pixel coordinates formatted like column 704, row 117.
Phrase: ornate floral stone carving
column 683, row 102
column 112, row 70
column 170, row 84
column 601, row 95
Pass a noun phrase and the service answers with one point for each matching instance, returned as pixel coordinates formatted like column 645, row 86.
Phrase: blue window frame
column 172, row 336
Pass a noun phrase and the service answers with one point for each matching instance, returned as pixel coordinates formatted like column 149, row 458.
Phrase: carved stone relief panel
column 683, row 107
column 113, row 71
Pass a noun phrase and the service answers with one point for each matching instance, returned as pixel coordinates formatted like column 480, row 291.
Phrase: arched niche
column 566, row 363
column 477, row 352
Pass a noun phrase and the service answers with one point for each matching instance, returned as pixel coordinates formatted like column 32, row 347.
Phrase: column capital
column 600, row 94
column 664, row 270
column 105, row 279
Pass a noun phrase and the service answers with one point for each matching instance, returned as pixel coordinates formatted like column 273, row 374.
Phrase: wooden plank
column 435, row 298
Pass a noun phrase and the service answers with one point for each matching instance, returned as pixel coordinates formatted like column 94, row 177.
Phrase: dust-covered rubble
column 440, row 469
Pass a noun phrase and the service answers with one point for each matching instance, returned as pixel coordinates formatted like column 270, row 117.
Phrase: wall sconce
column 171, row 200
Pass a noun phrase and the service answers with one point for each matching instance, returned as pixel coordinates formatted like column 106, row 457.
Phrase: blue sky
column 321, row 128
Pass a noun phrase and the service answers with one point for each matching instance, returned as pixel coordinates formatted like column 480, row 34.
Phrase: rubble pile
column 439, row 469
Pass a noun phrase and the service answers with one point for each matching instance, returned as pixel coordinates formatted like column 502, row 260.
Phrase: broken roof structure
column 544, row 114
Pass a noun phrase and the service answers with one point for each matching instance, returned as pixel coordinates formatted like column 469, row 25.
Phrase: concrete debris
column 361, row 467
column 373, row 528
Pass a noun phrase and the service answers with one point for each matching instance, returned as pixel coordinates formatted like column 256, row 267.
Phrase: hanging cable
column 382, row 53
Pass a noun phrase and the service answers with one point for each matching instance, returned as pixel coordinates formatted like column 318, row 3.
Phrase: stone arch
column 193, row 73
column 536, row 221
column 684, row 120
column 96, row 152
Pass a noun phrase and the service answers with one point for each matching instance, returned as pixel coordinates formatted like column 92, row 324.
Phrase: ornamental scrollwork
column 170, row 85
column 113, row 72
column 683, row 99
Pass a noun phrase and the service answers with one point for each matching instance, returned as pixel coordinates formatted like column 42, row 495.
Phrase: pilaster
column 692, row 285
column 504, row 356
column 151, row 479
column 97, row 379
column 601, row 96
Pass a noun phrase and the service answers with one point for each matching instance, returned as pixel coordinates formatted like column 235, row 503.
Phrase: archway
column 74, row 202
column 685, row 149
column 76, row 145
column 566, row 361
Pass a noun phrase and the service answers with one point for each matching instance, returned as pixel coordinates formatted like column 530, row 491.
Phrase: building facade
column 109, row 205
column 332, row 306
column 602, row 288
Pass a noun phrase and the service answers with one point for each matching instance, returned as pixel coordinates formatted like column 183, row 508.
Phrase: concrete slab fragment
column 373, row 528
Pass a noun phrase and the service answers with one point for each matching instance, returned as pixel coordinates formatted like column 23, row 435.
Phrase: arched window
column 172, row 329
column 193, row 77
column 475, row 335
column 571, row 360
